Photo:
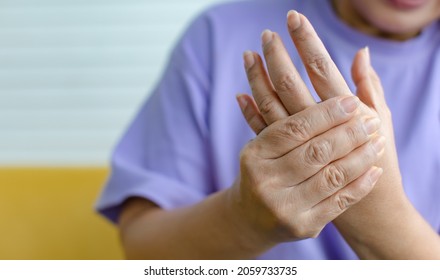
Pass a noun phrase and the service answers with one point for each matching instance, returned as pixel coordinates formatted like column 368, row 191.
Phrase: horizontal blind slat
column 74, row 72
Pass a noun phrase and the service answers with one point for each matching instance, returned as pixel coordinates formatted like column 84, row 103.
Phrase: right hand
column 303, row 171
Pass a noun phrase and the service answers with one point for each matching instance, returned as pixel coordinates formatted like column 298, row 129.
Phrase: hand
column 281, row 92
column 304, row 170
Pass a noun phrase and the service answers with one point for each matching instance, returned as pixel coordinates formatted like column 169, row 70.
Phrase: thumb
column 368, row 85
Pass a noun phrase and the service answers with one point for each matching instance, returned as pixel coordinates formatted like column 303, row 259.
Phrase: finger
column 368, row 86
column 288, row 84
column 370, row 92
column 332, row 207
column 360, row 67
column 339, row 174
column 308, row 159
column 251, row 113
column 360, row 75
column 324, row 75
column 289, row 133
column 268, row 102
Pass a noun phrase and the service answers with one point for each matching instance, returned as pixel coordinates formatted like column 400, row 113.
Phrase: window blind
column 74, row 72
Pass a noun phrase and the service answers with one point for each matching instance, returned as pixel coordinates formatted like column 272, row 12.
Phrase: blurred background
column 72, row 75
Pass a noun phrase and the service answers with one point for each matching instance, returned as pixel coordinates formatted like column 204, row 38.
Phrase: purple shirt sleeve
column 162, row 156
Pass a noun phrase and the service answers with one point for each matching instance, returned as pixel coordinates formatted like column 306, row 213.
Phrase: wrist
column 370, row 224
column 251, row 236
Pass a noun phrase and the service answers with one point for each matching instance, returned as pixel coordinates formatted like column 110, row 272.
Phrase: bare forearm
column 208, row 230
column 392, row 230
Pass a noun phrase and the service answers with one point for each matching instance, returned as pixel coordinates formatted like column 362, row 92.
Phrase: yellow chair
column 47, row 213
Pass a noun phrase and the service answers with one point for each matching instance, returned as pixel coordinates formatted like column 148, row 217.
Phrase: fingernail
column 249, row 59
column 371, row 125
column 375, row 175
column 242, row 101
column 266, row 36
column 349, row 104
column 293, row 20
column 379, row 144
column 367, row 56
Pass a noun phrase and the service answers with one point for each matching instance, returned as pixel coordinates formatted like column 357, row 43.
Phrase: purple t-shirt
column 185, row 141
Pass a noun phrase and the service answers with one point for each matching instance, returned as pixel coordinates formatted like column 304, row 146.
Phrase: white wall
column 73, row 73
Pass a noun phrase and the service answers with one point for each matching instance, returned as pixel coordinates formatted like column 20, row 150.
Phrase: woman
column 179, row 189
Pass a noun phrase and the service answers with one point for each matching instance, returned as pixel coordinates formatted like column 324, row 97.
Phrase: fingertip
column 266, row 36
column 379, row 144
column 249, row 59
column 359, row 67
column 293, row 20
column 375, row 173
column 242, row 101
column 365, row 61
column 367, row 58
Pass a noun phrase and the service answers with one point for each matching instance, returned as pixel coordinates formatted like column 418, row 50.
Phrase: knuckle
column 270, row 49
column 318, row 152
column 302, row 35
column 344, row 201
column 298, row 128
column 334, row 178
column 285, row 83
column 365, row 158
column 266, row 104
column 253, row 75
column 330, row 111
column 352, row 133
column 303, row 231
column 319, row 65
